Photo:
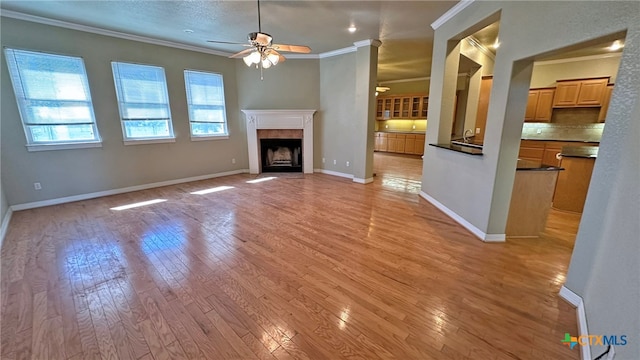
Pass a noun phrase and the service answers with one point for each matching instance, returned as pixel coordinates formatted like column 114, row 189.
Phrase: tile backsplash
column 563, row 132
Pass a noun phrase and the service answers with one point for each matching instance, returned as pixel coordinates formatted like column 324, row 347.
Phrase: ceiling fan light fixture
column 266, row 63
column 273, row 58
column 253, row 58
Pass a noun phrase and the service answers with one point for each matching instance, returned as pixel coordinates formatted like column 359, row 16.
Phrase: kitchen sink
column 462, row 143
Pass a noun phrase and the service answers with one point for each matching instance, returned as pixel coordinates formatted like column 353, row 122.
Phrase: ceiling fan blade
column 292, row 48
column 227, row 42
column 281, row 58
column 241, row 53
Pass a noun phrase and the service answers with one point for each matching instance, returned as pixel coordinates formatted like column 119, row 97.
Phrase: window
column 143, row 102
column 205, row 98
column 53, row 98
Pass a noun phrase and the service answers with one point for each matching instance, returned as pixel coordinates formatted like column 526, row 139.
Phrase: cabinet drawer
column 531, row 153
column 531, row 144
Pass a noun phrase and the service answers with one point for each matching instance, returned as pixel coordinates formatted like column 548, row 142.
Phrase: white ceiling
column 402, row 26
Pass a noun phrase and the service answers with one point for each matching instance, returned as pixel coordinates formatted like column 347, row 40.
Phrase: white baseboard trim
column 37, row 204
column 460, row 220
column 5, row 225
column 363, row 181
column 334, row 173
column 575, row 300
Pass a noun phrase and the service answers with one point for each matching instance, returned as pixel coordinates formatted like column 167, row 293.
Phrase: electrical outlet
column 413, row 127
column 37, row 186
column 233, row 161
column 335, row 162
column 477, row 130
column 539, row 131
column 386, row 126
column 323, row 160
column 347, row 164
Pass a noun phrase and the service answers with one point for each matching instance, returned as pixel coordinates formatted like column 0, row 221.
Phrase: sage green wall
column 4, row 206
column 293, row 84
column 80, row 171
column 337, row 128
column 545, row 75
column 604, row 267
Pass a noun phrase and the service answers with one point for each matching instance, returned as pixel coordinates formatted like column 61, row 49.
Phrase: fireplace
column 281, row 155
column 288, row 134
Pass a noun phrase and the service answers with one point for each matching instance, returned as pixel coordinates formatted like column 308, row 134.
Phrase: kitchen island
column 531, row 199
column 573, row 184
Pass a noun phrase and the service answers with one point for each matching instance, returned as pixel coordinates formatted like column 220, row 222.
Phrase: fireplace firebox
column 281, row 155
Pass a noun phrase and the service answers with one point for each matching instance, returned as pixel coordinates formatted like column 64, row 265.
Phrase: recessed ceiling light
column 352, row 28
column 617, row 45
column 188, row 31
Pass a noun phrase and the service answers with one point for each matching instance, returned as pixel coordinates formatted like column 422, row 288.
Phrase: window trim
column 33, row 145
column 205, row 137
column 142, row 140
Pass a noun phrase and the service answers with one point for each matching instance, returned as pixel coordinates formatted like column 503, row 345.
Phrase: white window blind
column 143, row 101
column 53, row 98
column 205, row 99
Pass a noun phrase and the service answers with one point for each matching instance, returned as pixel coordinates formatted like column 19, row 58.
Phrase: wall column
column 365, row 107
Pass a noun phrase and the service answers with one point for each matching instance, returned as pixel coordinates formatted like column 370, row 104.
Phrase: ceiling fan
column 262, row 52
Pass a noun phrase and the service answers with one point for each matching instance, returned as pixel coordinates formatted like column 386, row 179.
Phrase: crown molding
column 368, row 42
column 424, row 78
column 450, row 13
column 483, row 49
column 302, row 56
column 337, row 52
column 579, row 58
column 111, row 33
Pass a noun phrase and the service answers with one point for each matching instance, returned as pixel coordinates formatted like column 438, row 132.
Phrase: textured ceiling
column 402, row 26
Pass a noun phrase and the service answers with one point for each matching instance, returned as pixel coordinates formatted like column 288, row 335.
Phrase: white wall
column 604, row 268
column 546, row 73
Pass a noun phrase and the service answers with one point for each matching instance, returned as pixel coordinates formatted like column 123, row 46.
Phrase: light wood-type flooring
column 289, row 268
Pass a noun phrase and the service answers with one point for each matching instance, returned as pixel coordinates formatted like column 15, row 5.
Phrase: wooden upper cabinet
column 580, row 93
column 605, row 103
column 532, row 103
column 379, row 109
column 397, row 107
column 566, row 94
column 402, row 107
column 592, row 91
column 424, row 107
column 416, row 101
column 544, row 108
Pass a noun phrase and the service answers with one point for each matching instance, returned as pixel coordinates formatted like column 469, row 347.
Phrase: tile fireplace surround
column 279, row 119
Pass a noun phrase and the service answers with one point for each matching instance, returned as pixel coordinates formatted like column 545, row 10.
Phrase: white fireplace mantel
column 280, row 119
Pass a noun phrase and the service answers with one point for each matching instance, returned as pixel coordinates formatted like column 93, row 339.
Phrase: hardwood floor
column 312, row 268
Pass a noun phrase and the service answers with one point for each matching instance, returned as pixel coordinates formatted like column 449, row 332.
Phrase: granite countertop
column 528, row 165
column 459, row 148
column 559, row 140
column 401, row 132
column 580, row 151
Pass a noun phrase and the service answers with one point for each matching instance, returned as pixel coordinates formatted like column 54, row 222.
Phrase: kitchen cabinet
column 606, row 98
column 410, row 144
column 397, row 106
column 540, row 105
column 573, row 184
column 580, row 93
column 402, row 107
column 483, row 106
column 419, row 148
column 532, row 150
column 399, row 143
